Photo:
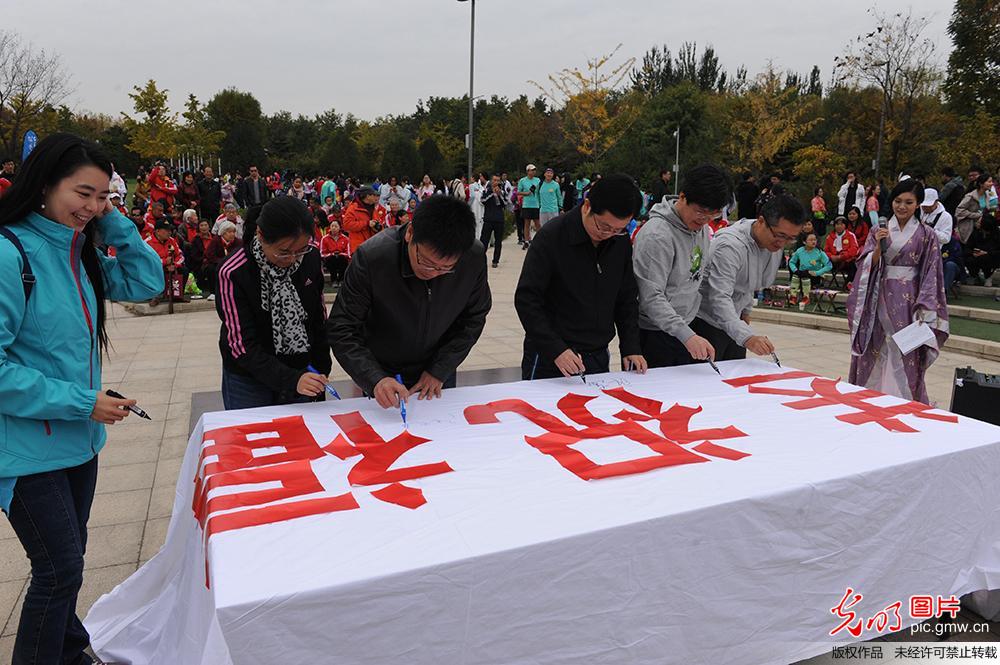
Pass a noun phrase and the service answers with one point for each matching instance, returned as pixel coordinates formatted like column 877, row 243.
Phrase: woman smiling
column 52, row 408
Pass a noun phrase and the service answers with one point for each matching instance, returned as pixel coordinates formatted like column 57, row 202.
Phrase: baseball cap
column 930, row 196
column 529, row 167
column 163, row 224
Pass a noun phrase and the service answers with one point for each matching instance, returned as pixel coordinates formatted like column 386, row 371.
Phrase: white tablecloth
column 728, row 554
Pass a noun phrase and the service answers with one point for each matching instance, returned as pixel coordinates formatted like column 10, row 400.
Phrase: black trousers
column 533, row 366
column 663, row 349
column 336, row 264
column 496, row 230
column 725, row 347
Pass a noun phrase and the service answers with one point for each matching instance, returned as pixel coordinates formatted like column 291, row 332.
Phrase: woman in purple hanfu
column 891, row 292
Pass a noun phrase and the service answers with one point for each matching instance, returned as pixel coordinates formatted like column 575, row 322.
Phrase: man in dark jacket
column 746, row 196
column 209, row 195
column 252, row 190
column 661, row 187
column 577, row 287
column 494, row 203
column 413, row 302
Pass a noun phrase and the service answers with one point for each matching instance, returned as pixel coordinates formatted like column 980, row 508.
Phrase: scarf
column 279, row 297
column 838, row 241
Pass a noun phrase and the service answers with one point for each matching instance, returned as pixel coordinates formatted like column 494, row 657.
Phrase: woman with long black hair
column 52, row 408
column 270, row 300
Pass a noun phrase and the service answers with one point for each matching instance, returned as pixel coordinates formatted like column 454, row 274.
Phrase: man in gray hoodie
column 668, row 260
column 743, row 259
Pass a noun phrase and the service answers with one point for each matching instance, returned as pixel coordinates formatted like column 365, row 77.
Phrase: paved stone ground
column 162, row 360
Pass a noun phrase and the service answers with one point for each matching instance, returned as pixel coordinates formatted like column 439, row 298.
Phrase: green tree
column 154, row 134
column 401, row 158
column 194, row 136
column 238, row 114
column 974, row 63
column 338, row 154
column 431, row 158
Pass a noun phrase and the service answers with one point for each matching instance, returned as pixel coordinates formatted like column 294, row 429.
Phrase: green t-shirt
column 581, row 184
column 550, row 195
column 524, row 185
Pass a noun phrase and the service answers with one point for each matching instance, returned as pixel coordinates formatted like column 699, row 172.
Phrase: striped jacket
column 246, row 339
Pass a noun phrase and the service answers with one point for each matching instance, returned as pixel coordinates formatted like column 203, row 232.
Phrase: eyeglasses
column 702, row 213
column 607, row 229
column 430, row 266
column 780, row 236
column 292, row 255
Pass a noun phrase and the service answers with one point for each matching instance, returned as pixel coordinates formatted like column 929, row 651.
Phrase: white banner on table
column 671, row 517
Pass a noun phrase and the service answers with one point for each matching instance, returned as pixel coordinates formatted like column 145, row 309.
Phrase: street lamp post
column 677, row 157
column 472, row 62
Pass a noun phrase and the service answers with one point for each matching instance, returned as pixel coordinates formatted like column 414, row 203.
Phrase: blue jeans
column 49, row 514
column 951, row 271
column 241, row 392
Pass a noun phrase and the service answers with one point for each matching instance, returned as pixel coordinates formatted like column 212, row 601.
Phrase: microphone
column 884, row 242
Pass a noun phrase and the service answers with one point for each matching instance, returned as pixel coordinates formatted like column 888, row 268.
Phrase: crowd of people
column 672, row 277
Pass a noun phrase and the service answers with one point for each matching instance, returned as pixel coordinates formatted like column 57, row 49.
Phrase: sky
column 379, row 57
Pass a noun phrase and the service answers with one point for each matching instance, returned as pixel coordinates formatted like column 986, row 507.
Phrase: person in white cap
column 933, row 214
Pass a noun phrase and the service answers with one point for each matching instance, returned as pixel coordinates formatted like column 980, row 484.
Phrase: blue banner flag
column 30, row 139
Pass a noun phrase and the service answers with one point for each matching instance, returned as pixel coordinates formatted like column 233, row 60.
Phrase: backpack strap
column 27, row 277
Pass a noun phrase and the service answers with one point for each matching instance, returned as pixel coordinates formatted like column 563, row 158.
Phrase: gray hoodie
column 667, row 259
column 736, row 268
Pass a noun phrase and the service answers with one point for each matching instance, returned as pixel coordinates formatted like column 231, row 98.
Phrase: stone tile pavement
column 162, row 360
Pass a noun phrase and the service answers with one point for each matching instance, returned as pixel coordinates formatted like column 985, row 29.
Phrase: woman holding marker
column 53, row 285
column 270, row 300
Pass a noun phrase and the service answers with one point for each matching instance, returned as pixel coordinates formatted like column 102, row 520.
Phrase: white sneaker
column 211, row 296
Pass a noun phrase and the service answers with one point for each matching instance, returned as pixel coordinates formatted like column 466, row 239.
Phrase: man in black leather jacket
column 413, row 302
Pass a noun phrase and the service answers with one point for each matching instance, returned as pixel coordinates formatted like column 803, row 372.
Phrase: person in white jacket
column 933, row 214
column 852, row 193
column 475, row 200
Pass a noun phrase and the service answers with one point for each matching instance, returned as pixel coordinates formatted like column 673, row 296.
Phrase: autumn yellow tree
column 768, row 119
column 595, row 112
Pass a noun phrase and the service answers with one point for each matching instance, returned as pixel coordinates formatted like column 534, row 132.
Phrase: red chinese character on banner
column 843, row 611
column 377, row 455
column 824, row 392
column 559, row 437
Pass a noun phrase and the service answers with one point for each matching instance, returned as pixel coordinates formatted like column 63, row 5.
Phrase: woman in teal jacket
column 52, row 408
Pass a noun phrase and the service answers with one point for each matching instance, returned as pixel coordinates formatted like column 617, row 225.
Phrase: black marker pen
column 134, row 409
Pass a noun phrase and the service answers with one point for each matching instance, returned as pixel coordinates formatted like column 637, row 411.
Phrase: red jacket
column 328, row 246
column 860, row 231
column 218, row 251
column 161, row 188
column 163, row 250
column 850, row 245
column 188, row 195
column 356, row 223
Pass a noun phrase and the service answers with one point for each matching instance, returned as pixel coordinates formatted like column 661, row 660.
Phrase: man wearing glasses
column 413, row 302
column 670, row 252
column 743, row 259
column 577, row 287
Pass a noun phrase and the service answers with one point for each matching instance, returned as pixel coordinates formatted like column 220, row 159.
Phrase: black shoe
column 497, row 265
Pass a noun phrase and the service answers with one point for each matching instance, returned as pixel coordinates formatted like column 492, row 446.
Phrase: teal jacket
column 50, row 361
column 815, row 260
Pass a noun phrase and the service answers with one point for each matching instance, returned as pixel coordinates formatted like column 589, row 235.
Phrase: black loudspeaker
column 976, row 395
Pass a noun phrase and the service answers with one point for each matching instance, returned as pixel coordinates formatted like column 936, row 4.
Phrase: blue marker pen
column 402, row 404
column 330, row 389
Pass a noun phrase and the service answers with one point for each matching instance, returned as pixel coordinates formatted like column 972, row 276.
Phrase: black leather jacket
column 386, row 321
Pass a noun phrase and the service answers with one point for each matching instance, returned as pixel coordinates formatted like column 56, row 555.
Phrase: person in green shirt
column 808, row 263
column 581, row 184
column 549, row 198
column 527, row 192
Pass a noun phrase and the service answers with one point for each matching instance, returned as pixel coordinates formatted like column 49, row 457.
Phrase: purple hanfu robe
column 906, row 285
